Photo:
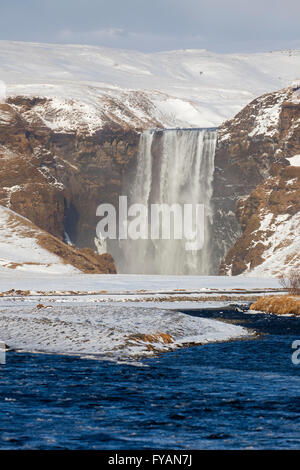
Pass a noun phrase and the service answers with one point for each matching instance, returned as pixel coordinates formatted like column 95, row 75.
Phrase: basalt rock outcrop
column 57, row 179
column 256, row 191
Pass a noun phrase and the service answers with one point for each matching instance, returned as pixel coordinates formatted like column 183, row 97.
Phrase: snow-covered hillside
column 20, row 250
column 282, row 245
column 90, row 85
column 27, row 249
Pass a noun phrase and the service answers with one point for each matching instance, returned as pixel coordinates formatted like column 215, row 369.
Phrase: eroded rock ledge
column 57, row 179
column 256, row 192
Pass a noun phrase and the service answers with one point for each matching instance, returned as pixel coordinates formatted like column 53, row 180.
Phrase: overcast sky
column 156, row 25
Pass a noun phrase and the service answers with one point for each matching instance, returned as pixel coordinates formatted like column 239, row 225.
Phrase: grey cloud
column 218, row 25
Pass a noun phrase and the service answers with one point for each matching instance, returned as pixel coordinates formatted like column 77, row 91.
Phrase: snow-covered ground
column 116, row 333
column 26, row 266
column 20, row 251
column 90, row 84
column 295, row 160
column 126, row 283
column 108, row 316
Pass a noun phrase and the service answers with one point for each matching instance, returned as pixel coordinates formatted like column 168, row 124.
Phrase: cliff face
column 28, row 185
column 91, row 169
column 55, row 171
column 256, row 192
column 57, row 179
column 25, row 247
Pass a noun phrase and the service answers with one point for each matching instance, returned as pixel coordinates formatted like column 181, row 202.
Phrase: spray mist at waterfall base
column 160, row 222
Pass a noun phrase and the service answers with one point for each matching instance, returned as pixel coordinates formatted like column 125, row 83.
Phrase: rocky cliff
column 57, row 178
column 55, row 170
column 256, row 190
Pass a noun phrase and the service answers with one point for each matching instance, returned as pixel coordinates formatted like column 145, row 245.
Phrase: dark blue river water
column 237, row 395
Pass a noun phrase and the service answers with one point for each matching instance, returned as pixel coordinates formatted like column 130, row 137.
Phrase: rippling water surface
column 237, row 395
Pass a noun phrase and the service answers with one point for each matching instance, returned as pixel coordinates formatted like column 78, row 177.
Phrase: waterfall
column 173, row 166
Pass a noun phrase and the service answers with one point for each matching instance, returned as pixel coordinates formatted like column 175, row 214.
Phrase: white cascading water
column 174, row 166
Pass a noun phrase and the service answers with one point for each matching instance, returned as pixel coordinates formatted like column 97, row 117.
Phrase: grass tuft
column 279, row 304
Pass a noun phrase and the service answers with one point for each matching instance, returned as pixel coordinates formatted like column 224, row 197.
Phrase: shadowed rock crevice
column 71, row 218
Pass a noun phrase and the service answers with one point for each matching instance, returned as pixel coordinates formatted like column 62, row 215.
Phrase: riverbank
column 279, row 304
column 229, row 395
column 122, row 317
column 111, row 332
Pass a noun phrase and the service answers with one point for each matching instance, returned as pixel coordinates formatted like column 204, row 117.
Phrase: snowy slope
column 176, row 88
column 116, row 333
column 19, row 248
column 295, row 160
column 282, row 245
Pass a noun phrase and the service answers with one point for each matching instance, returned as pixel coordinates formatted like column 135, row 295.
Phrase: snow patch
column 295, row 160
column 266, row 123
column 282, row 246
column 108, row 332
column 2, row 91
column 91, row 85
column 20, row 251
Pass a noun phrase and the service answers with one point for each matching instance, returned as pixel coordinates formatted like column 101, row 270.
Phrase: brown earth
column 153, row 338
column 84, row 259
column 149, row 339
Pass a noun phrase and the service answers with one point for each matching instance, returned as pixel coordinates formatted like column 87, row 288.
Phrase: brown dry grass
column 279, row 304
column 158, row 337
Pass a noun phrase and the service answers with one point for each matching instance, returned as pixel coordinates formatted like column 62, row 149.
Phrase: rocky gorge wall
column 57, row 178
column 254, row 183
